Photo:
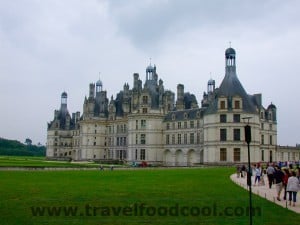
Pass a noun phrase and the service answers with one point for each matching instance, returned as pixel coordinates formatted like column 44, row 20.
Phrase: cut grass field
column 39, row 162
column 141, row 196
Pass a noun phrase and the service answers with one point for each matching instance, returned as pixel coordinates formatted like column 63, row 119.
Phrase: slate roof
column 180, row 115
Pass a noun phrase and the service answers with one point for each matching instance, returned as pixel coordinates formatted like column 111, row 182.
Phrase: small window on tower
column 223, row 118
column 237, row 104
column 222, row 105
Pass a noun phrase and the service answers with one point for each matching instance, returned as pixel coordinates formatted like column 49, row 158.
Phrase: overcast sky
column 51, row 46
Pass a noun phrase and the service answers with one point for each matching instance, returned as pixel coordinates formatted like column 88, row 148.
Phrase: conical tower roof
column 231, row 87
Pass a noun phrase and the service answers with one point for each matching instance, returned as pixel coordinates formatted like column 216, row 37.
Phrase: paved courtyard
column 265, row 192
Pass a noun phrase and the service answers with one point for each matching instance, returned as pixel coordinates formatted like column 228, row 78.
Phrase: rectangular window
column 223, row 154
column 185, row 125
column 143, row 123
column 143, row 139
column 222, row 105
column 237, row 155
column 198, row 138
column 223, row 118
column 262, row 139
column 293, row 156
column 262, row 155
column 185, row 139
column 118, row 141
column 271, row 140
column 236, row 134
column 179, row 125
column 192, row 138
column 136, row 139
column 198, row 124
column 136, row 124
column 136, row 154
column 142, row 154
column 145, row 110
column 191, row 124
column 173, row 126
column 237, row 104
column 173, row 139
column 167, row 139
column 168, row 126
column 223, row 134
column 179, row 139
column 145, row 99
column 236, row 118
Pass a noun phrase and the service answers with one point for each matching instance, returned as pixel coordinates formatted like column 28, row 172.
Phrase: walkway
column 264, row 192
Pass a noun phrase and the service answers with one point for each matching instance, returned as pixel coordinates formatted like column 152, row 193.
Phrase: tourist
column 278, row 178
column 257, row 174
column 293, row 187
column 285, row 181
column 270, row 173
column 244, row 171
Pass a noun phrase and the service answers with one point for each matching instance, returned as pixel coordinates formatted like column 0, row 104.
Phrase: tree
column 28, row 141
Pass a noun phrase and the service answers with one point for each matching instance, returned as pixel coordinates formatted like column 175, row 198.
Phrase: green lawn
column 141, row 196
column 34, row 161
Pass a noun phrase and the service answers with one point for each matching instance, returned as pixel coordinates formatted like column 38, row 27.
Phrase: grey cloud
column 146, row 23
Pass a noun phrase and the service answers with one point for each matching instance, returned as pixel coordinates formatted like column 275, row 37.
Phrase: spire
column 99, row 85
column 64, row 97
column 150, row 71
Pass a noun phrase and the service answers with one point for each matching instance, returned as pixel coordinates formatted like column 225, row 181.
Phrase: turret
column 99, row 86
column 211, row 86
column 230, row 60
column 272, row 112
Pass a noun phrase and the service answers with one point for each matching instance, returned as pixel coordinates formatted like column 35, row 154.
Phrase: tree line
column 16, row 148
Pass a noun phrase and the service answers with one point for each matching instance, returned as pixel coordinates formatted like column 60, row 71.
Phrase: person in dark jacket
column 278, row 178
column 270, row 174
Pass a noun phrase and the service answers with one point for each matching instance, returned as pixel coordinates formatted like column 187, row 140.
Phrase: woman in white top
column 293, row 187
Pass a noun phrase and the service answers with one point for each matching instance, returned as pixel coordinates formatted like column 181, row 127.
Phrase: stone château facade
column 147, row 123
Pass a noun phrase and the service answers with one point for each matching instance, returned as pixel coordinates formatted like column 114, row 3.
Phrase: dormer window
column 222, row 103
column 145, row 99
column 185, row 115
column 237, row 104
column 270, row 116
column 261, row 115
column 173, row 116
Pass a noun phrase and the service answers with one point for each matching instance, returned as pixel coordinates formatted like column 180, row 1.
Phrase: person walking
column 278, row 178
column 285, row 181
column 244, row 171
column 293, row 187
column 257, row 174
column 270, row 173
